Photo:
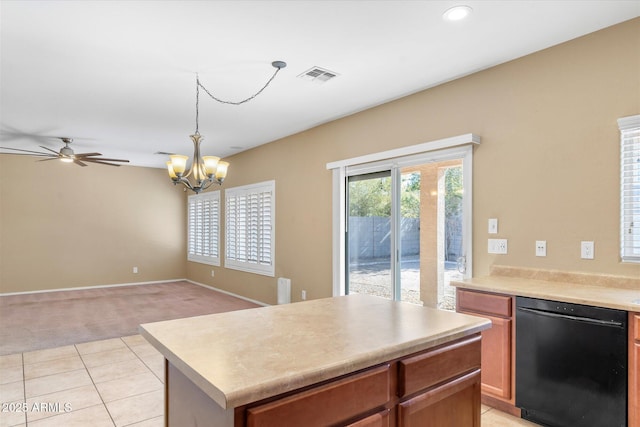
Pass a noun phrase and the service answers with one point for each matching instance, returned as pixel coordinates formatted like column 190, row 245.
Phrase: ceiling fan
column 67, row 155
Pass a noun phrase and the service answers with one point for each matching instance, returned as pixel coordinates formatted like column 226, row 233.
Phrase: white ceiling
column 119, row 76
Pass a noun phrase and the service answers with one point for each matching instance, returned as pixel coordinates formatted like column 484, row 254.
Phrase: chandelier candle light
column 206, row 170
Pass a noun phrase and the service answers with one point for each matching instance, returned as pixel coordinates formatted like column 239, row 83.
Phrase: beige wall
column 547, row 167
column 63, row 226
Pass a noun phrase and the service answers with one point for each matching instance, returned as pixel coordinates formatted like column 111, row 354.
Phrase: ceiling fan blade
column 106, row 159
column 32, row 155
column 49, row 149
column 87, row 154
column 79, row 163
column 164, row 153
column 26, row 151
column 100, row 162
column 50, row 158
column 8, row 133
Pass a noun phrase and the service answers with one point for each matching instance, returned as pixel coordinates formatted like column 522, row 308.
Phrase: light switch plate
column 493, row 226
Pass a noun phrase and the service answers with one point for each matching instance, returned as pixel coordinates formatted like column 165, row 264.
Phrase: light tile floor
column 115, row 382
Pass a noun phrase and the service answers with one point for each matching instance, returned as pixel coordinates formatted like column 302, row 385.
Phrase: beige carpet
column 53, row 319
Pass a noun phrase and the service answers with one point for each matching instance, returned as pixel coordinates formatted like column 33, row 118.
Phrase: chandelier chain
column 206, row 170
column 197, row 102
column 222, row 101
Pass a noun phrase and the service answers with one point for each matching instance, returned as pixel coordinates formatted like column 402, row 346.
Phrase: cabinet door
column 634, row 386
column 453, row 404
column 634, row 369
column 496, row 358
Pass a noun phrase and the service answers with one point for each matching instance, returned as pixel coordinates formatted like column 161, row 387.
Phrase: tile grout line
column 150, row 370
column 115, row 400
column 143, row 362
column 95, row 386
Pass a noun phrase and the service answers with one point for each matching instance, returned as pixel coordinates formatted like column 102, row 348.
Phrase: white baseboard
column 264, row 304
column 92, row 287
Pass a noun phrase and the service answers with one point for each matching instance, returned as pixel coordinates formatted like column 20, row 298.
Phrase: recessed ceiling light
column 457, row 13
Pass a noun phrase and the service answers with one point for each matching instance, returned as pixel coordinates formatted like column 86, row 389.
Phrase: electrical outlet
column 587, row 250
column 303, row 295
column 541, row 248
column 497, row 246
column 135, row 270
column 213, row 273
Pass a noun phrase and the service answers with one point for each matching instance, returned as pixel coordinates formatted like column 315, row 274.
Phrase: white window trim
column 443, row 149
column 629, row 184
column 267, row 269
column 212, row 257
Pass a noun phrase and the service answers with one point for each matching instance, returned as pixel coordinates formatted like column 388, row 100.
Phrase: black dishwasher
column 571, row 364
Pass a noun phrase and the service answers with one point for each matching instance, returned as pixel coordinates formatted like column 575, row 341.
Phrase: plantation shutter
column 204, row 228
column 630, row 188
column 250, row 228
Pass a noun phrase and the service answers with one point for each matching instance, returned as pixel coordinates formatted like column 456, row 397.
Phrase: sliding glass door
column 407, row 229
column 368, row 249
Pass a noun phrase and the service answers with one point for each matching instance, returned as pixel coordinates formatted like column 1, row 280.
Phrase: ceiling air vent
column 318, row 75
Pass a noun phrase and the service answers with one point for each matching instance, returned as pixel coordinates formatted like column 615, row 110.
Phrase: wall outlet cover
column 587, row 250
column 497, row 246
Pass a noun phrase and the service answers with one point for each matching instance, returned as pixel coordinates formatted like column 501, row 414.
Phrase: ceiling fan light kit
column 206, row 170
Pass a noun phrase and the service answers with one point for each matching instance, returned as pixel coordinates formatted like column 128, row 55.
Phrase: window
column 630, row 188
column 250, row 231
column 204, row 228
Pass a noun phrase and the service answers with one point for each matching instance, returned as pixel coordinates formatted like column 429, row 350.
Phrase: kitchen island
column 352, row 360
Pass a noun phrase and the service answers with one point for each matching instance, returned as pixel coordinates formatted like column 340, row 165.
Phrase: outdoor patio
column 374, row 278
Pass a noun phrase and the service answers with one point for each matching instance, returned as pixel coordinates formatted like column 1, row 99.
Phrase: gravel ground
column 375, row 279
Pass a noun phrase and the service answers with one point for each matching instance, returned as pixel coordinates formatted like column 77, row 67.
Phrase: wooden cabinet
column 439, row 387
column 634, row 370
column 327, row 404
column 498, row 345
column 453, row 403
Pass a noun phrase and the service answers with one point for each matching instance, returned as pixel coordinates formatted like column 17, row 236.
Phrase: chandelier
column 206, row 170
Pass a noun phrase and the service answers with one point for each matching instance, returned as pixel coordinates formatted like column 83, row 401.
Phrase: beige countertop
column 602, row 295
column 244, row 356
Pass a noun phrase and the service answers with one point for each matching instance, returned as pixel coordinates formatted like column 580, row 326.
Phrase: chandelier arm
column 183, row 182
column 202, row 185
column 222, row 101
column 210, row 182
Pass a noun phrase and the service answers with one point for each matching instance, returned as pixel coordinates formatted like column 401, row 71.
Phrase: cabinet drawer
column 435, row 366
column 635, row 318
column 453, row 404
column 381, row 419
column 327, row 404
column 479, row 302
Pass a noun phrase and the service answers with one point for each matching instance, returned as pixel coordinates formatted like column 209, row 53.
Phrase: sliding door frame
column 459, row 147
